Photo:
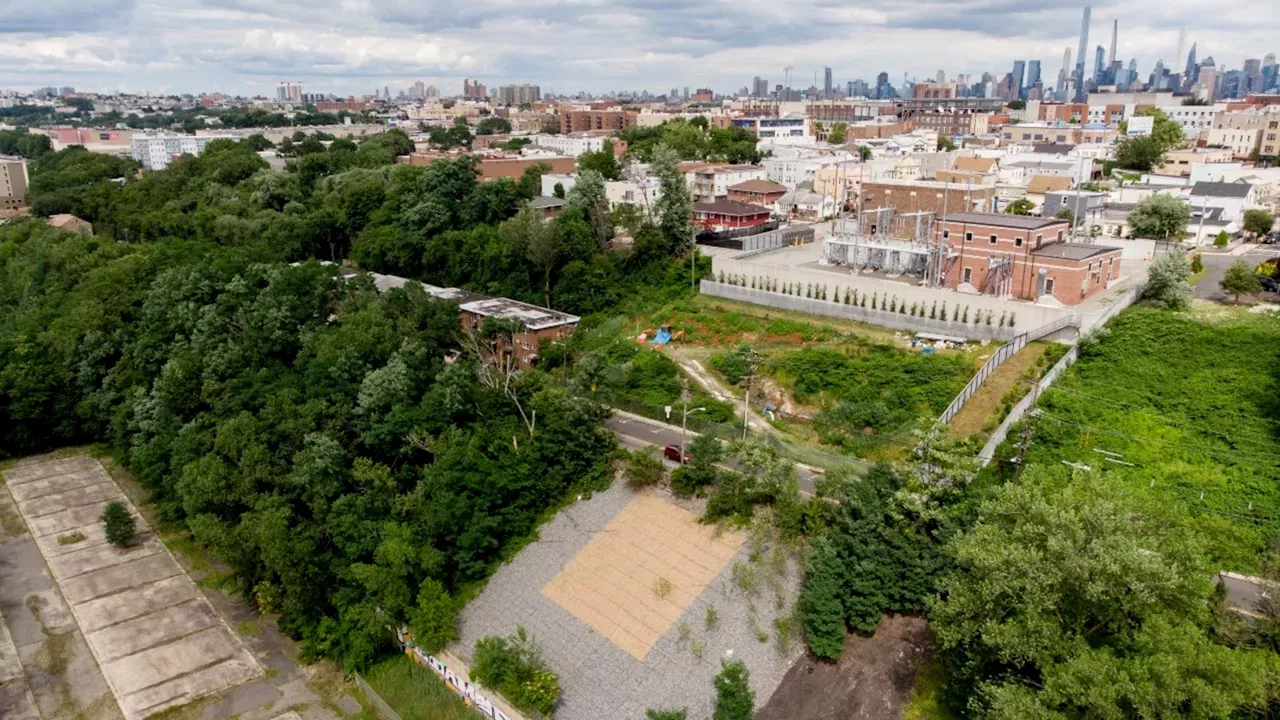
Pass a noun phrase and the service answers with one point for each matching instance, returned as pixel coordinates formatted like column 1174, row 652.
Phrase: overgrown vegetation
column 1189, row 409
column 414, row 692
column 735, row 700
column 514, row 667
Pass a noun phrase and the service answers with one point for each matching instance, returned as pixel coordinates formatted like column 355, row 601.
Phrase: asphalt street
column 1245, row 593
column 635, row 433
column 1216, row 264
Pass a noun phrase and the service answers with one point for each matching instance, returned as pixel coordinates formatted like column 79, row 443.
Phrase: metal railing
column 997, row 359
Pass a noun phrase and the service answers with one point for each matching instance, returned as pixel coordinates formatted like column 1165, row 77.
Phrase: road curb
column 667, row 426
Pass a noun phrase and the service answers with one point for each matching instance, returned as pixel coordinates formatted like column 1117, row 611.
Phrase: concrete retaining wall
column 883, row 318
column 1028, row 315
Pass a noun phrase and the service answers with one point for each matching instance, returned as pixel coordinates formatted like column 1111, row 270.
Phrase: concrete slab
column 158, row 628
column 95, row 494
column 178, row 691
column 134, row 602
column 152, row 639
column 146, row 569
column 55, row 484
column 17, row 703
column 100, row 557
column 27, row 473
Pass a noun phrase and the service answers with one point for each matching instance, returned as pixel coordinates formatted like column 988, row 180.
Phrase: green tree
column 1021, row 206
column 1167, row 281
column 837, row 134
column 735, row 700
column 674, row 208
column 1160, row 217
column 864, row 153
column 946, row 143
column 602, row 161
column 1259, row 222
column 1197, row 264
column 644, row 469
column 493, row 126
column 1139, row 152
column 1167, row 133
column 1240, row 280
column 1074, row 598
column 1016, row 105
column 120, row 525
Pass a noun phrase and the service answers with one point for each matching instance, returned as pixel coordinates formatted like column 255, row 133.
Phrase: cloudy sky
column 355, row 46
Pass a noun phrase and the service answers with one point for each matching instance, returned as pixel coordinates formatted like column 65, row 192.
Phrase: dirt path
column 986, row 402
column 718, row 390
column 873, row 680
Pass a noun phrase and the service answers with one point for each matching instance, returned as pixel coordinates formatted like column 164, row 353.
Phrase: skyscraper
column 941, row 76
column 1064, row 75
column 1115, row 31
column 826, row 81
column 1100, row 66
column 1084, row 45
column 1033, row 73
column 1019, row 71
column 1189, row 75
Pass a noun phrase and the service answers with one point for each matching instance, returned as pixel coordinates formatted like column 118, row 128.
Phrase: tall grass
column 415, row 693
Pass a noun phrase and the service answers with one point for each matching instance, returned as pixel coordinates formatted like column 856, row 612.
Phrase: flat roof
column 1019, row 222
column 1072, row 251
column 729, row 207
column 532, row 316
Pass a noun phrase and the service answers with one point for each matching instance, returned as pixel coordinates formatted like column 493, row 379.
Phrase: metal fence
column 997, row 359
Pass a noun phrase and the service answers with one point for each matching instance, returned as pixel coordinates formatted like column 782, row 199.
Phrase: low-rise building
column 1233, row 197
column 155, row 152
column 71, row 223
column 729, row 215
column 1024, row 257
column 757, row 192
column 13, row 182
column 1178, row 163
column 939, row 198
column 711, row 181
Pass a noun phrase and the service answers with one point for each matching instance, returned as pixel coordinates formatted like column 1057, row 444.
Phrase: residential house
column 70, row 223
column 549, row 205
column 1039, row 185
column 729, row 215
column 757, row 192
column 1233, row 197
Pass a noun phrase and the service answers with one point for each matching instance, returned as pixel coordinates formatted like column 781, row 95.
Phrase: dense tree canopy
column 692, row 141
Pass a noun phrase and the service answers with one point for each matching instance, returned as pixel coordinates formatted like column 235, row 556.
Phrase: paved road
column 1244, row 593
column 1217, row 264
column 636, row 433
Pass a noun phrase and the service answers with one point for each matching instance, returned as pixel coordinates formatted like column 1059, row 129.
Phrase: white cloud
column 354, row 46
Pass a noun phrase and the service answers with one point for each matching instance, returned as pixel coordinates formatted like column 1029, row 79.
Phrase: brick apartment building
column 729, row 215
column 1026, row 257
column 912, row 196
column 572, row 121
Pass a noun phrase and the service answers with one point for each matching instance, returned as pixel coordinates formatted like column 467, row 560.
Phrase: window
column 1039, row 240
column 968, row 237
column 1059, row 236
column 1017, row 242
column 946, row 234
column 968, row 275
column 994, row 239
column 1048, row 287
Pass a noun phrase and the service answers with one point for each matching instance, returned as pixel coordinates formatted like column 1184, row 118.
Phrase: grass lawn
column 715, row 321
column 1003, row 389
column 415, row 693
column 1191, row 403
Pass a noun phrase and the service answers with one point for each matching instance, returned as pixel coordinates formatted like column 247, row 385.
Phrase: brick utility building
column 1025, row 257
column 912, row 196
column 729, row 215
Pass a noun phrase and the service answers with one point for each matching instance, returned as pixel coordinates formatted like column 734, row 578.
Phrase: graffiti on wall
column 470, row 692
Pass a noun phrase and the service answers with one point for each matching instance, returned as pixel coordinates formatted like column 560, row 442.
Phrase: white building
column 550, row 180
column 155, row 152
column 643, row 192
column 573, row 144
column 1233, row 197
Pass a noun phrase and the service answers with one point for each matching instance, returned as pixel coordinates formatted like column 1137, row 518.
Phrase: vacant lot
column 1186, row 407
column 591, row 591
column 157, row 641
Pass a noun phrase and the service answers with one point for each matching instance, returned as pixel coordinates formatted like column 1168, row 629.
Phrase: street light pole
column 684, row 427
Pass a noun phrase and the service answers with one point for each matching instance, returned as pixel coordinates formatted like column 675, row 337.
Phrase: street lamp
column 684, row 427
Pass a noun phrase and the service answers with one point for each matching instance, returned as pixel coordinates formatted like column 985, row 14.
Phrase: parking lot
column 129, row 620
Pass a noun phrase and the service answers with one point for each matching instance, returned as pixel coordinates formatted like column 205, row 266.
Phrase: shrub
column 1167, row 284
column 120, row 525
column 434, row 619
column 1197, row 265
column 1221, row 239
column 644, row 469
column 734, row 698
column 514, row 667
column 652, row 714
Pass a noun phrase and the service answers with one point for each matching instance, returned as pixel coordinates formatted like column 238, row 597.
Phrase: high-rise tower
column 1080, row 55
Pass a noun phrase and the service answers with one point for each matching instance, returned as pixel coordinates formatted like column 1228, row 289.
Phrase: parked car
column 672, row 452
column 1269, row 284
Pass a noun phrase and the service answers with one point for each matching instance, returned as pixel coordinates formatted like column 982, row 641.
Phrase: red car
column 672, row 452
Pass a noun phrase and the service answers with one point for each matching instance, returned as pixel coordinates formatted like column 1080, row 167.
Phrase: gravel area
column 601, row 680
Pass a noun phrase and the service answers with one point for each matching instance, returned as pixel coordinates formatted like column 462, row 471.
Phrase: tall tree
column 1240, row 280
column 602, row 161
column 1167, row 284
column 1160, row 217
column 674, row 207
column 1073, row 598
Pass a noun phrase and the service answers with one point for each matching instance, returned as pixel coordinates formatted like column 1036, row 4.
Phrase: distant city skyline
column 247, row 47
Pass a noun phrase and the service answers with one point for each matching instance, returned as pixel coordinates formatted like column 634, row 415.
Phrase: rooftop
column 1221, row 189
column 759, row 186
column 729, row 207
column 1072, row 251
column 1019, row 222
column 531, row 316
column 1053, row 149
column 542, row 202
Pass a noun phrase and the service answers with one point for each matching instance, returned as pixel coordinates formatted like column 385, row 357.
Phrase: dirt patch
column 978, row 413
column 873, row 680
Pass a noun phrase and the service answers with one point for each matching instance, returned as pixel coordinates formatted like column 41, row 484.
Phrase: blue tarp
column 663, row 337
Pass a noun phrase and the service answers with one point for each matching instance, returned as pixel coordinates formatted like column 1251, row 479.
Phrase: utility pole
column 684, row 427
column 753, row 359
